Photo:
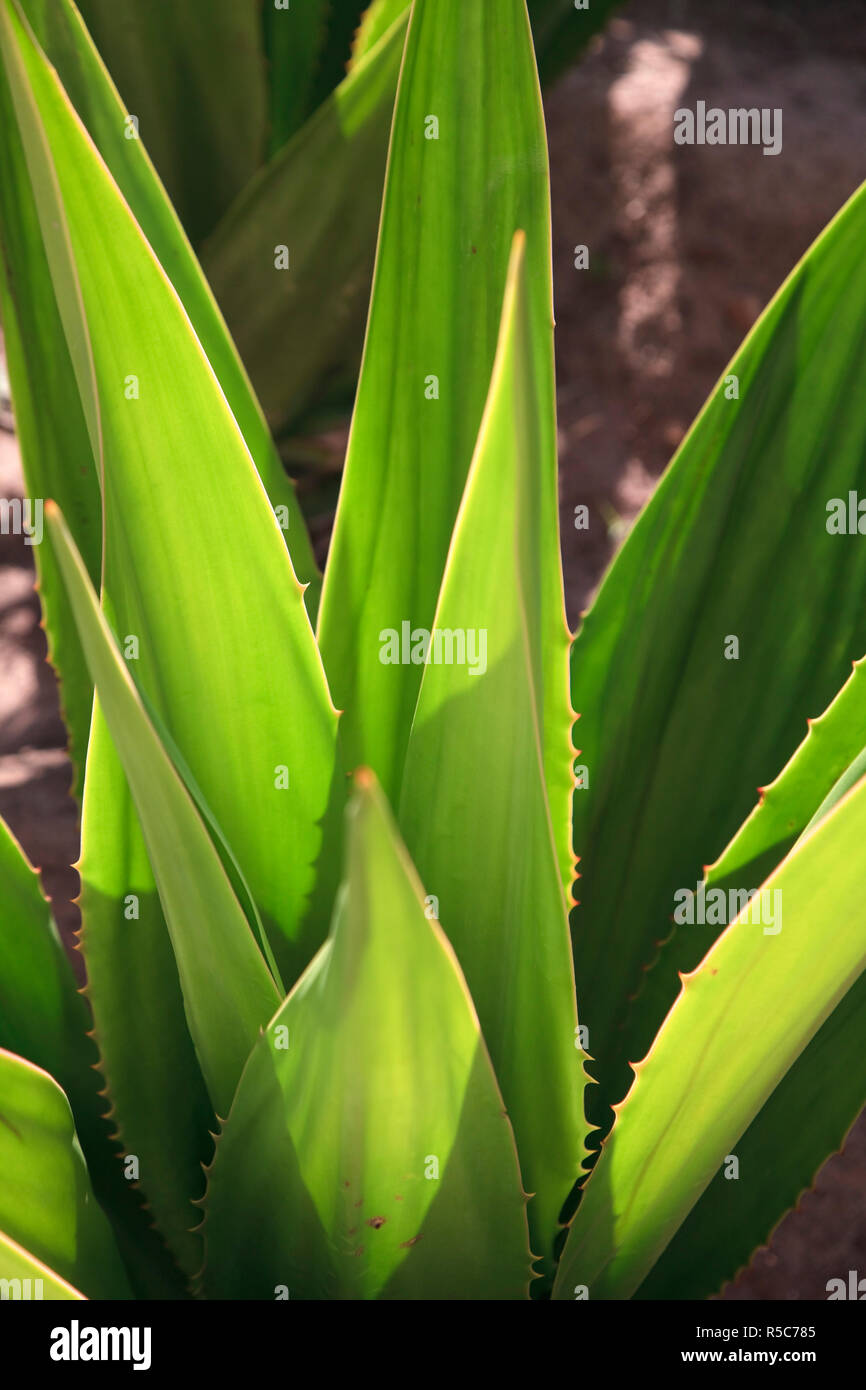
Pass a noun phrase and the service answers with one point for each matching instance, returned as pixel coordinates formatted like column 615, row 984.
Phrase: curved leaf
column 806, row 1119
column 17, row 1264
column 136, row 997
column 42, row 1016
column 46, row 1202
column 778, row 1155
column 320, row 198
column 734, row 544
column 62, row 36
column 182, row 500
column 45, row 1020
column 560, row 29
column 307, row 47
column 196, row 82
column 467, row 167
column 474, row 808
column 292, row 43
column 376, row 20
column 741, row 1020
column 368, row 1125
column 51, row 426
column 228, row 992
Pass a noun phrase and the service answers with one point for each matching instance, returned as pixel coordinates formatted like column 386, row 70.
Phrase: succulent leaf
column 355, row 1189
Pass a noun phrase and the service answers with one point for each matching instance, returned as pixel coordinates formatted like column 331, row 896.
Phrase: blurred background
column 686, row 245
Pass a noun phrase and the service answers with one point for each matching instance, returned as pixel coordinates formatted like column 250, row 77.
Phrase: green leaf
column 51, row 425
column 376, row 21
column 741, row 1020
column 182, row 500
column 44, row 1019
column 46, row 1202
column 293, row 38
column 16, row 1263
column 307, row 48
column 196, row 81
column 848, row 779
column 779, row 1155
column 559, row 29
column 136, row 997
column 368, row 1125
column 225, row 1006
column 787, row 806
column 344, row 18
column 826, row 764
column 65, row 41
column 169, row 1142
column 320, row 197
column 451, row 207
column 474, row 808
column 42, row 1015
column 733, row 543
column 805, row 1120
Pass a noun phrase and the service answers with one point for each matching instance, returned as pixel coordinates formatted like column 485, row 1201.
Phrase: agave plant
column 329, row 825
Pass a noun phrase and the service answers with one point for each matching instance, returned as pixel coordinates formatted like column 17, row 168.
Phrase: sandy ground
column 686, row 245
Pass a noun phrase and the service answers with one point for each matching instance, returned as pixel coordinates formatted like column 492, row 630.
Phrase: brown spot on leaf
column 376, row 1221
column 404, row 1245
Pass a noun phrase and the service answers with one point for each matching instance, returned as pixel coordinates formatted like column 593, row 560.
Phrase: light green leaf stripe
column 228, row 992
column 813, row 779
column 788, row 804
column 474, row 810
column 18, row 1264
column 46, row 1201
column 740, row 1022
column 805, row 1120
column 778, row 1155
column 377, row 19
column 354, row 1189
